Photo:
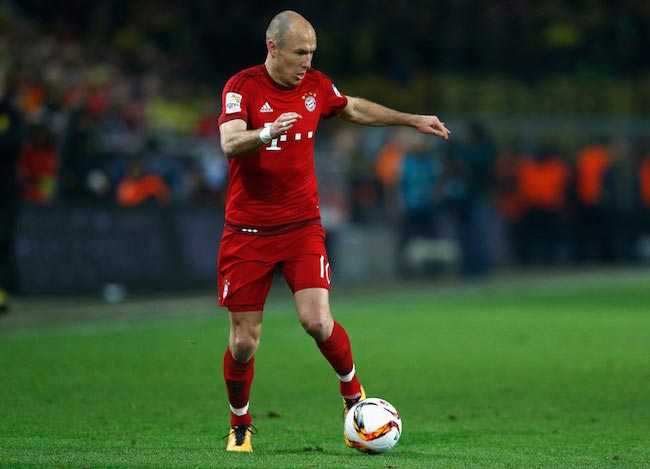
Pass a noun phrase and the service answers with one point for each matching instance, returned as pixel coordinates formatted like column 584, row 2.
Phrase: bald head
column 290, row 45
column 286, row 23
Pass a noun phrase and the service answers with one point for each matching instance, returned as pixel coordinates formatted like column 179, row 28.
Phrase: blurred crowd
column 549, row 207
column 124, row 111
column 97, row 146
column 524, row 38
column 98, row 115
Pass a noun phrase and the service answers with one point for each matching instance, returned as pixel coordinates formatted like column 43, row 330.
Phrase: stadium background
column 542, row 363
column 111, row 88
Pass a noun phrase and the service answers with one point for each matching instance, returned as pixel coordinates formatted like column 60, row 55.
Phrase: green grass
column 536, row 373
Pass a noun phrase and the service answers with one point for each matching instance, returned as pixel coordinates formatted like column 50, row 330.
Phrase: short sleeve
column 233, row 101
column 335, row 101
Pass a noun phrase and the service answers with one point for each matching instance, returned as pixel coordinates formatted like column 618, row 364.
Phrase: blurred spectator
column 418, row 190
column 77, row 156
column 337, row 165
column 419, row 199
column 207, row 125
column 643, row 178
column 470, row 187
column 507, row 185
column 387, row 168
column 38, row 166
column 206, row 179
column 507, row 197
column 12, row 137
column 140, row 187
column 34, row 95
column 642, row 235
column 592, row 220
column 363, row 190
column 542, row 231
column 198, row 190
column 620, row 201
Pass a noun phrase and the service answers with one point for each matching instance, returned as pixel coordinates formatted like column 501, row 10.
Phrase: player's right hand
column 284, row 123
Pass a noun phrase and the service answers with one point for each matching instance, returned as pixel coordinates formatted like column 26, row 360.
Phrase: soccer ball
column 373, row 426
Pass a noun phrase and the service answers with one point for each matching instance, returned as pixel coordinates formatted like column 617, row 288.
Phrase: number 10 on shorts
column 325, row 271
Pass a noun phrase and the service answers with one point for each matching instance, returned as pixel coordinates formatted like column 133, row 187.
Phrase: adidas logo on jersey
column 266, row 107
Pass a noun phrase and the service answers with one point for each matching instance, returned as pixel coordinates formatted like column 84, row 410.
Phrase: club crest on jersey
column 310, row 101
column 233, row 102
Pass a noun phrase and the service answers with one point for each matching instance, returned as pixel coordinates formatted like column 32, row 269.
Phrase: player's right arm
column 237, row 140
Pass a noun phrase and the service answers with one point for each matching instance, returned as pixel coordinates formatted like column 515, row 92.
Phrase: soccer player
column 268, row 125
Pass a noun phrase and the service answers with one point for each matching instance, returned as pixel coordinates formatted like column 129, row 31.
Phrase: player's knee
column 243, row 347
column 318, row 326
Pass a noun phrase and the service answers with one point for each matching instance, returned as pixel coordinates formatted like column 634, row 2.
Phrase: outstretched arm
column 364, row 112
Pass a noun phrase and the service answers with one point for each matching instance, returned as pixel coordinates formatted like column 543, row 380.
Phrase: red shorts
column 247, row 262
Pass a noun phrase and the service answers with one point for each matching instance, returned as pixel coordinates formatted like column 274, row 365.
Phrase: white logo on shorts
column 325, row 271
column 226, row 285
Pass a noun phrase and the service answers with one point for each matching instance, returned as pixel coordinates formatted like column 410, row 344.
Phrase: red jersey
column 276, row 185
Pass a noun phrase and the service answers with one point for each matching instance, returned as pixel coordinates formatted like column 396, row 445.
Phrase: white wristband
column 265, row 135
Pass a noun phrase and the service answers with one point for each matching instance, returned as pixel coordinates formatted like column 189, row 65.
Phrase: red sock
column 336, row 349
column 239, row 377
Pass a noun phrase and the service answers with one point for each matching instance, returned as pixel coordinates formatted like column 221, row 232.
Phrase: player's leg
column 238, row 371
column 244, row 282
column 307, row 271
column 312, row 305
column 333, row 341
column 238, row 362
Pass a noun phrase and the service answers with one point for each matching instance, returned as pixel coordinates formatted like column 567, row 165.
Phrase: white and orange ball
column 373, row 426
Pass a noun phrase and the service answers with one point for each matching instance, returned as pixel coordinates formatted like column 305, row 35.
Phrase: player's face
column 295, row 57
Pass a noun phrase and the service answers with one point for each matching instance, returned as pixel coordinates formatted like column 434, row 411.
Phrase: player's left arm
column 364, row 112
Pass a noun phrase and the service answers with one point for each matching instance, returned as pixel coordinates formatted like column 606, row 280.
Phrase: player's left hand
column 432, row 125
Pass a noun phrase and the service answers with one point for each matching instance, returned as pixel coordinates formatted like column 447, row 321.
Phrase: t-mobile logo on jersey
column 273, row 146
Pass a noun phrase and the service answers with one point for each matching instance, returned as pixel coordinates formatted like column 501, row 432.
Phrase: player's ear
column 272, row 48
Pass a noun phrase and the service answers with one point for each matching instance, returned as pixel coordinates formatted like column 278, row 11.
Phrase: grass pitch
column 536, row 373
